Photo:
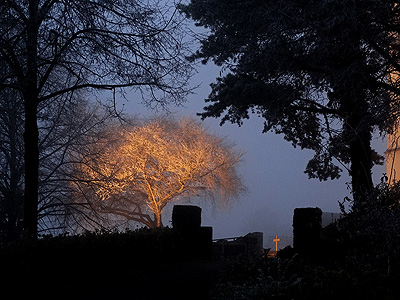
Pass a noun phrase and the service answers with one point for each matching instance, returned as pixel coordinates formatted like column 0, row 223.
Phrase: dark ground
column 185, row 280
column 191, row 280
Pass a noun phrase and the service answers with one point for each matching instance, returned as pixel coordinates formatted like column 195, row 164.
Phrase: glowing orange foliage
column 163, row 160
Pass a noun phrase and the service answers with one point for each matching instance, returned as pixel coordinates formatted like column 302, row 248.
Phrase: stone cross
column 276, row 240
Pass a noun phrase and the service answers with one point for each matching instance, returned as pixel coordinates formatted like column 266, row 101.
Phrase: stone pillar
column 186, row 220
column 307, row 229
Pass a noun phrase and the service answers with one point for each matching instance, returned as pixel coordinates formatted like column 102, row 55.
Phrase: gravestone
column 307, row 229
column 186, row 220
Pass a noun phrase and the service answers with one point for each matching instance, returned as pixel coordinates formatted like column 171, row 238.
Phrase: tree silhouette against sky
column 316, row 71
column 55, row 48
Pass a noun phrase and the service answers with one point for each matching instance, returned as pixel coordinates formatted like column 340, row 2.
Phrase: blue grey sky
column 272, row 170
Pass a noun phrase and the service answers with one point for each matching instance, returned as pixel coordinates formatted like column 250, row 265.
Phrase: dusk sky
column 101, row 137
column 272, row 170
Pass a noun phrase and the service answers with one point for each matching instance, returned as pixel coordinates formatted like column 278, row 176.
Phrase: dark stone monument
column 307, row 229
column 186, row 220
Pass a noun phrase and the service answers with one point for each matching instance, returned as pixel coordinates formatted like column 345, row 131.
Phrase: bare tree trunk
column 31, row 138
column 360, row 153
column 14, row 198
column 31, row 134
column 158, row 221
column 361, row 165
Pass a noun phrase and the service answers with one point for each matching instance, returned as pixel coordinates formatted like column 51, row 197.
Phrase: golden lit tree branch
column 158, row 162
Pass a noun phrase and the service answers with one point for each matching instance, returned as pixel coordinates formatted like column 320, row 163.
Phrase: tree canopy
column 54, row 48
column 322, row 73
column 135, row 171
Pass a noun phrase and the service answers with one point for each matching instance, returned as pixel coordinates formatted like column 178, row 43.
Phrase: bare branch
column 162, row 160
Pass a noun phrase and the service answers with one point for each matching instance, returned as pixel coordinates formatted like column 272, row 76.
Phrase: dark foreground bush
column 85, row 265
column 139, row 246
column 298, row 279
column 359, row 259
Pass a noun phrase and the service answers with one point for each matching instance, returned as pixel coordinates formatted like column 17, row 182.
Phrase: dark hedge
column 75, row 265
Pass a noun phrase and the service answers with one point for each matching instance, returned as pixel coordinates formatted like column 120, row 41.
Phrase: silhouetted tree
column 53, row 48
column 323, row 73
column 64, row 126
column 11, row 166
column 134, row 172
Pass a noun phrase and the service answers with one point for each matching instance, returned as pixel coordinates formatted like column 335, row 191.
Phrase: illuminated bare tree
column 140, row 169
column 54, row 47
